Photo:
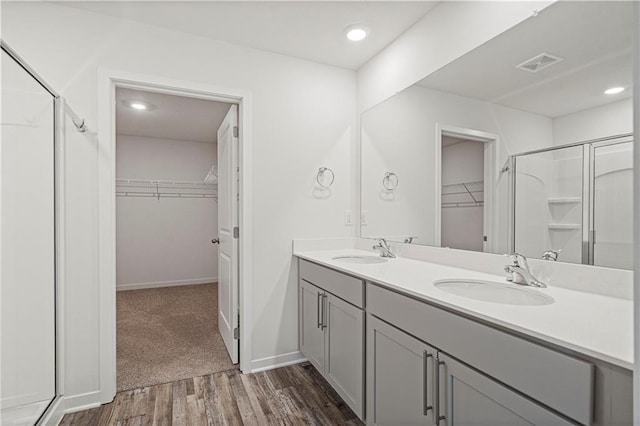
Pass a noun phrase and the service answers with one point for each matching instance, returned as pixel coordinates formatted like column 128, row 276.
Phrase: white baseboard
column 277, row 361
column 80, row 402
column 158, row 284
column 55, row 413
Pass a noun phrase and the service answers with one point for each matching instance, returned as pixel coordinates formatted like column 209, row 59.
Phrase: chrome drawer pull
column 436, row 396
column 425, row 403
column 318, row 308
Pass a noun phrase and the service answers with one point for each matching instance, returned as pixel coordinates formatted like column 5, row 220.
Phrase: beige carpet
column 168, row 334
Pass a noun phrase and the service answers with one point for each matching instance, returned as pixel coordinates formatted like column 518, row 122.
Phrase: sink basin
column 361, row 259
column 495, row 292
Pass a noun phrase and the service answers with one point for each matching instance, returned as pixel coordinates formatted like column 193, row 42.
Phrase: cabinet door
column 311, row 329
column 344, row 352
column 468, row 397
column 399, row 377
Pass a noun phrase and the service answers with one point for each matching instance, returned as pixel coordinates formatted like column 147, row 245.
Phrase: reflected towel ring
column 390, row 181
column 322, row 178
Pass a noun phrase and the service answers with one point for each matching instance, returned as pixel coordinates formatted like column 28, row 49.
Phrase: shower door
column 27, row 246
column 576, row 200
column 612, row 211
column 548, row 203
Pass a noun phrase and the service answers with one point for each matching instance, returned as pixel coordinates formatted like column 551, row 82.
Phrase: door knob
column 215, row 241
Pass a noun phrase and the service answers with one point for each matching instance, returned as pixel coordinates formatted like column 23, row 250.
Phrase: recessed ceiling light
column 614, row 90
column 356, row 33
column 138, row 105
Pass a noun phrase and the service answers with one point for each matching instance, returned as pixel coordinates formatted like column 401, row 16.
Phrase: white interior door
column 227, row 222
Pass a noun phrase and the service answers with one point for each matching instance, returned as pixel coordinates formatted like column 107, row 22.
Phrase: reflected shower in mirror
column 516, row 145
column 575, row 203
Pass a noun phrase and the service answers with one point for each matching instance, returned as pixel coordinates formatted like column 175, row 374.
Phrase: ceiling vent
column 539, row 62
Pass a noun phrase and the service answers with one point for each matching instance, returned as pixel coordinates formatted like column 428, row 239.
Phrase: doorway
column 171, row 297
column 462, row 197
column 465, row 171
column 110, row 82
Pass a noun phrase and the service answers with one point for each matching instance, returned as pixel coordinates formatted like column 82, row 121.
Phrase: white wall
column 447, row 32
column 303, row 118
column 398, row 135
column 165, row 241
column 609, row 120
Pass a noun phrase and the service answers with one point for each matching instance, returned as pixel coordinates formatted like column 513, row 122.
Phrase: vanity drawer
column 559, row 381
column 344, row 286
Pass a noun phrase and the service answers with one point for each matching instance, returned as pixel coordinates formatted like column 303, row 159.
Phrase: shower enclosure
column 576, row 200
column 27, row 244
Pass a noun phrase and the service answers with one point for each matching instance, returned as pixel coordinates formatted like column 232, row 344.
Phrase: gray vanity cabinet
column 311, row 330
column 332, row 330
column 344, row 351
column 400, row 367
column 468, row 397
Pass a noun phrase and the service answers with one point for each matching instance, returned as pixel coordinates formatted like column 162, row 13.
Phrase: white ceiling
column 312, row 30
column 593, row 38
column 171, row 117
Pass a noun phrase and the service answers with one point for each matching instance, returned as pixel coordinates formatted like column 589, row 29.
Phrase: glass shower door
column 27, row 249
column 612, row 210
column 548, row 200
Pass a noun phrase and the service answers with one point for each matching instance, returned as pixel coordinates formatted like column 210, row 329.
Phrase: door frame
column 491, row 157
column 108, row 80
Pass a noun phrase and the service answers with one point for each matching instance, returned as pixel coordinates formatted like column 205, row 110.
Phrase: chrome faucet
column 383, row 246
column 551, row 255
column 519, row 272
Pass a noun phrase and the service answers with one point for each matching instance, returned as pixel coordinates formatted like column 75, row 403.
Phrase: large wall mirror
column 518, row 145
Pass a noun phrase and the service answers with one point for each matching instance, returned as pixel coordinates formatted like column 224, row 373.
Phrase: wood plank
column 227, row 403
column 213, row 411
column 162, row 413
column 291, row 395
column 249, row 415
column 257, row 399
column 132, row 421
column 179, row 403
column 88, row 417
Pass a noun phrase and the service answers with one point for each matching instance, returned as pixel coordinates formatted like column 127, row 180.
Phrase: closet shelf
column 464, row 194
column 462, row 204
column 165, row 189
column 565, row 200
column 565, row 226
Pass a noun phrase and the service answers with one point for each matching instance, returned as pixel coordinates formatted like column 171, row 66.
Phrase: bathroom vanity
column 401, row 350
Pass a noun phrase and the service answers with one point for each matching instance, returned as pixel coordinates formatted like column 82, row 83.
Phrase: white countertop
column 598, row 326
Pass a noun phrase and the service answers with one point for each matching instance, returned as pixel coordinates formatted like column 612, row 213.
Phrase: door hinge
column 236, row 333
column 236, row 232
column 236, row 131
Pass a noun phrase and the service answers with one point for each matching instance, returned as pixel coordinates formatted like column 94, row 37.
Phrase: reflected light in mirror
column 613, row 90
column 138, row 105
column 356, row 34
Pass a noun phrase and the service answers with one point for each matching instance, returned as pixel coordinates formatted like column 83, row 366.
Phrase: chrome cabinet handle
column 436, row 395
column 319, row 307
column 215, row 241
column 324, row 309
column 425, row 383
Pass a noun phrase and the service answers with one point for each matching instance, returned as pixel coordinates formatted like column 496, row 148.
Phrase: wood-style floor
column 291, row 395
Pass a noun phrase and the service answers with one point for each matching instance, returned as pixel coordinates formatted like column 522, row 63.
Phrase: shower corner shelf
column 565, row 200
column 565, row 226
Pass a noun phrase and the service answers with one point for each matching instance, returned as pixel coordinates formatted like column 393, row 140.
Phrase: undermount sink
column 495, row 292
column 361, row 259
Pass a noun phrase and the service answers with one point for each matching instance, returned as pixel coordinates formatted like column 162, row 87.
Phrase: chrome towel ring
column 325, row 177
column 390, row 181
